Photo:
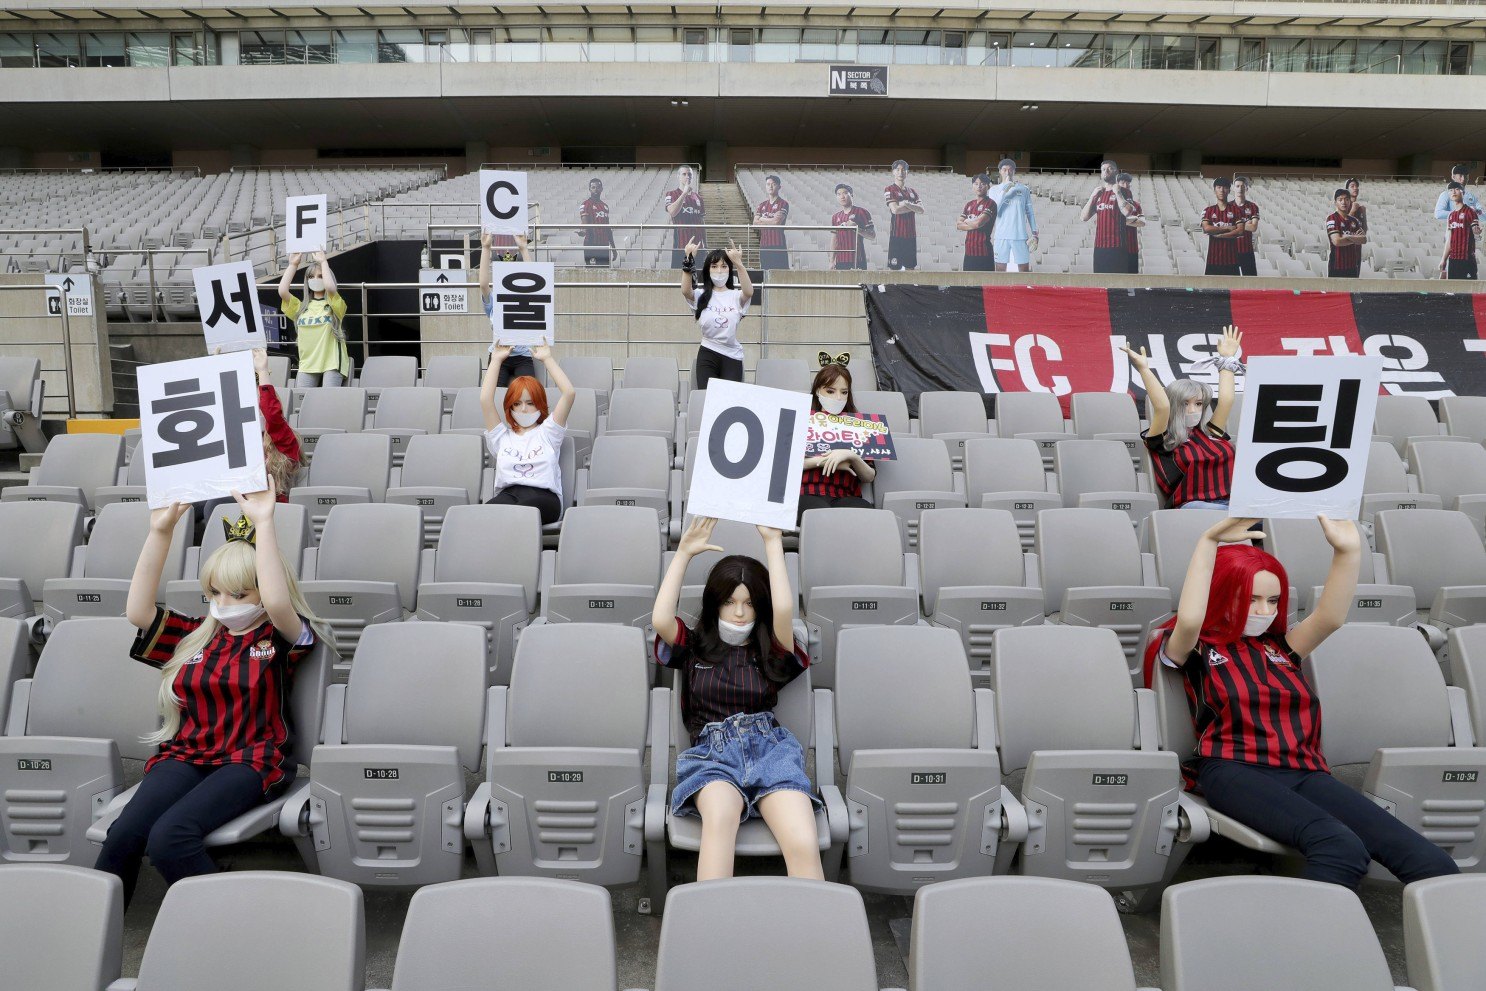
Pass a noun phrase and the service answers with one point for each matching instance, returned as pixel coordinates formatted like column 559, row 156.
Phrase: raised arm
column 1442, row 206
column 1191, row 608
column 543, row 353
column 286, row 283
column 144, row 587
column 326, row 274
column 1335, row 600
column 273, row 587
column 745, row 284
column 687, row 287
column 1088, row 210
column 1157, row 406
column 498, row 353
column 487, row 243
column 779, row 588
column 1228, row 347
column 696, row 540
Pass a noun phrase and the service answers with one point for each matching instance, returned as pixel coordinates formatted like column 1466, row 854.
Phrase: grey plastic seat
column 1465, row 416
column 398, row 739
column 1439, row 554
column 1173, row 536
column 1467, row 672
column 1008, row 473
column 565, row 794
column 1035, row 416
column 1099, row 474
column 1454, row 472
column 1107, row 416
column 15, row 659
column 651, row 372
column 642, row 413
column 98, row 584
column 689, row 424
column 1388, row 484
column 449, row 373
column 87, row 707
column 953, row 418
column 328, row 411
column 40, row 538
column 467, row 416
column 278, row 370
column 853, row 572
column 606, row 568
column 438, row 473
column 22, row 391
column 405, row 412
column 291, row 528
column 385, row 372
column 1401, row 419
column 486, row 571
column 365, row 571
column 316, row 926
column 1301, row 547
column 629, row 470
column 533, row 933
column 587, row 372
column 348, row 470
column 1092, row 573
column 973, row 578
column 61, row 927
column 72, row 470
column 1048, row 933
column 920, row 478
column 132, row 490
column 924, row 783
column 825, row 947
column 1441, row 932
column 1209, row 930
column 583, row 423
column 791, row 374
column 1389, row 728
column 892, row 405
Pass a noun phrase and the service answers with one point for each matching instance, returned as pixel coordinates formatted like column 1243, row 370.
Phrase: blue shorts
column 751, row 752
column 1011, row 251
column 1199, row 504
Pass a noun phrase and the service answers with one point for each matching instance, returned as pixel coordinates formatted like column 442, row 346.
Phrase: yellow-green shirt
column 319, row 349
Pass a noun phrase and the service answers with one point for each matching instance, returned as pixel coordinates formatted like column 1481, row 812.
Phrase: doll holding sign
column 317, row 317
column 834, row 479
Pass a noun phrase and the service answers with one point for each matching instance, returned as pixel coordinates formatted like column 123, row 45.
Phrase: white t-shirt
column 719, row 321
column 529, row 458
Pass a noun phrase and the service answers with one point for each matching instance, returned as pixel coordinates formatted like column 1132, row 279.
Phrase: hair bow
column 843, row 359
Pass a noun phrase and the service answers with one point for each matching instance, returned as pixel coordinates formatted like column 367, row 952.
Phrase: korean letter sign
column 749, row 452
column 524, row 298
column 227, row 298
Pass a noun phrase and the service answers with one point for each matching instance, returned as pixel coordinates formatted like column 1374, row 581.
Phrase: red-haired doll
column 524, row 440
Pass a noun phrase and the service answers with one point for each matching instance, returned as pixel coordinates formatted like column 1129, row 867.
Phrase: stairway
column 725, row 205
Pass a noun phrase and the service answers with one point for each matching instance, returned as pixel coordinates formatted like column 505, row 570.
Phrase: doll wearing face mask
column 524, row 437
column 718, row 296
column 834, row 479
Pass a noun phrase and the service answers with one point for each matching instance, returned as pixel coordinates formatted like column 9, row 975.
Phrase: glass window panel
column 1422, row 57
column 1076, row 48
column 994, row 49
column 186, row 49
column 356, row 47
column 17, row 51
column 1207, row 53
column 1251, row 53
column 1333, row 54
column 57, row 50
column 1379, row 56
column 1289, row 54
column 1478, row 64
column 1459, row 62
column 1176, row 51
column 309, row 46
column 1032, row 48
column 657, row 44
column 402, row 45
column 148, row 49
column 104, row 50
column 819, row 45
column 262, row 47
column 954, row 48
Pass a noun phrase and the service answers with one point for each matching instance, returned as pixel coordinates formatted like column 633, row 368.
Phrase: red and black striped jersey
column 1463, row 225
column 1109, row 222
column 1221, row 250
column 689, row 218
column 1132, row 233
column 1344, row 256
column 1251, row 703
column 714, row 688
column 596, row 212
column 770, row 236
column 1248, row 210
column 1200, row 469
column 837, row 485
column 235, row 694
column 904, row 224
column 978, row 241
column 848, row 247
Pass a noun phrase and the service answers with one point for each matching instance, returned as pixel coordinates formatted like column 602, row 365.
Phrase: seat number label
column 327, row 500
column 993, row 607
column 1122, row 607
column 469, row 603
column 1021, row 505
column 927, row 777
column 1119, row 505
column 565, row 777
column 89, row 597
column 624, row 502
column 380, row 773
column 864, row 605
column 341, row 600
column 1369, row 603
column 924, row 505
column 34, row 764
column 423, row 501
column 1112, row 779
column 601, row 603
column 1461, row 777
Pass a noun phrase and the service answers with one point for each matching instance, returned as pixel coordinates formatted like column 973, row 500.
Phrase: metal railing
column 66, row 369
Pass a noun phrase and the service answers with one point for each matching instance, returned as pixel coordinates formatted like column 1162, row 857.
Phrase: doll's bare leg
column 721, row 805
column 791, row 818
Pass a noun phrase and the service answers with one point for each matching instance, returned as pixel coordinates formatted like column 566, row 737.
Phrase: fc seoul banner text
column 1063, row 340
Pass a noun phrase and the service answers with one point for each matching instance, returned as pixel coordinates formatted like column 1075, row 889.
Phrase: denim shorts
column 751, row 752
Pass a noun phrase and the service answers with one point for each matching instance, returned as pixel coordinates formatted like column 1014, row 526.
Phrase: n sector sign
column 439, row 292
column 79, row 290
column 858, row 80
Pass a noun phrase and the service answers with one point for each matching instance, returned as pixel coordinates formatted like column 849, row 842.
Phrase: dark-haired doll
column 835, row 478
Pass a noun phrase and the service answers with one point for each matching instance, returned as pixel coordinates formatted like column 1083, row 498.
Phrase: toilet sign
column 79, row 292
column 306, row 224
column 503, row 202
column 439, row 291
column 749, row 451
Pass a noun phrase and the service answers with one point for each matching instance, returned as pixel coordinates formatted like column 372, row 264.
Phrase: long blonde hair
column 233, row 567
column 281, row 468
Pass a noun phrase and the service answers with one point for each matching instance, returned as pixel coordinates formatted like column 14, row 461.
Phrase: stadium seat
column 583, row 420
column 1092, row 573
column 689, row 423
column 130, row 489
column 853, row 572
column 404, row 412
column 642, row 413
column 40, row 540
column 1465, row 416
column 892, row 405
column 449, row 373
column 1108, row 416
column 1099, row 474
column 466, row 415
column 1097, row 797
column 15, row 660
column 1210, row 928
column 315, row 925
column 973, row 578
column 629, row 470
column 919, row 769
column 291, row 528
column 825, row 946
column 1454, row 472
column 383, row 372
column 87, row 706
column 565, row 793
column 1401, row 419
column 61, row 927
column 953, row 418
column 328, row 411
column 1008, row 473
column 1388, row 485
column 1438, row 553
column 278, row 370
column 348, row 470
column 1172, row 535
column 533, row 933
column 98, row 583
column 1441, row 935
column 1035, row 416
column 364, row 572
column 486, row 570
column 1045, row 933
column 439, row 473
column 22, row 392
column 920, row 478
column 72, row 470
column 398, row 738
column 606, row 568
column 791, row 374
column 1392, row 728
column 650, row 372
column 587, row 372
column 1301, row 546
column 1467, row 671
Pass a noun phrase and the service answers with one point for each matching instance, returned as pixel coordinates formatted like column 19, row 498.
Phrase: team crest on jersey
column 1215, row 657
column 262, row 650
column 200, row 654
column 1275, row 657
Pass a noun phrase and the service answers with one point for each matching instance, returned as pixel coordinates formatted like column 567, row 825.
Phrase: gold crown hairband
column 843, row 359
column 243, row 530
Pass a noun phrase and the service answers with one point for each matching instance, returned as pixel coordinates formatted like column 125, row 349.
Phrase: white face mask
column 1193, row 418
column 719, row 279
column 732, row 634
column 1257, row 624
column 317, row 285
column 832, row 404
column 526, row 418
column 243, row 617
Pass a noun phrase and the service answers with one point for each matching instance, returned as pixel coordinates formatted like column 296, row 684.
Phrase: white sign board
column 1304, row 436
column 438, row 293
column 503, row 202
column 524, row 302
column 227, row 299
column 306, row 223
column 200, row 436
column 79, row 289
column 750, row 452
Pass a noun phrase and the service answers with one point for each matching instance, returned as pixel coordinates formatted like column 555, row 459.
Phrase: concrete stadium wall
column 26, row 331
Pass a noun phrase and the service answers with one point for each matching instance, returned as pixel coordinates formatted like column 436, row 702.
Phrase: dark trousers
column 1460, row 268
column 1337, row 829
column 714, row 365
column 773, row 258
column 1111, row 260
column 598, row 255
column 1247, row 263
column 514, row 367
column 829, row 502
column 169, row 817
column 978, row 263
column 902, row 252
column 1333, row 272
column 1134, row 262
column 1213, row 268
column 546, row 501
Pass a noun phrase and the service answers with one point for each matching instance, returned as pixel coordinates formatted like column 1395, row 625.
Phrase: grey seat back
column 579, row 685
column 332, row 409
column 39, row 540
column 1301, row 546
column 1002, row 464
column 86, row 685
column 1078, row 548
column 872, row 663
column 291, row 525
column 629, row 462
column 409, row 408
column 535, row 933
column 825, row 947
column 492, row 544
column 1209, row 929
column 849, row 547
column 375, row 542
column 1441, row 932
column 451, row 371
column 1378, row 687
column 468, row 413
column 651, row 372
column 1174, row 534
column 1400, row 417
column 892, row 405
column 949, row 951
column 1449, row 469
column 1463, row 416
column 608, row 544
column 353, row 461
column 1467, row 651
column 921, row 464
column 316, row 926
column 650, row 410
column 793, row 374
column 1430, row 549
column 951, row 413
column 967, row 547
column 444, row 460
column 1103, row 413
column 1385, row 470
column 85, row 461
column 1092, row 466
column 61, row 927
column 118, row 537
column 15, row 660
column 388, row 371
column 596, row 373
column 1028, row 413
